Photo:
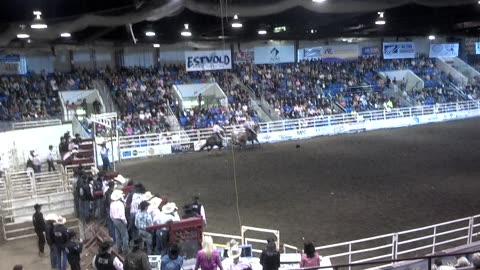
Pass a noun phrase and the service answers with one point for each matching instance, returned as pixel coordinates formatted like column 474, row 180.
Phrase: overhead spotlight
column 431, row 37
column 318, row 1
column 262, row 32
column 156, row 45
column 236, row 23
column 186, row 32
column 65, row 35
column 29, row 41
column 38, row 22
column 381, row 19
column 150, row 34
column 279, row 29
column 23, row 34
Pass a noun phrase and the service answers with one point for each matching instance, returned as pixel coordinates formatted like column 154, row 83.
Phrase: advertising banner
column 371, row 51
column 340, row 53
column 398, row 50
column 310, row 53
column 208, row 60
column 244, row 56
column 133, row 152
column 274, row 54
column 183, row 148
column 444, row 50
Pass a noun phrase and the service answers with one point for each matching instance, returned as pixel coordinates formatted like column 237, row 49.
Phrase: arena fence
column 392, row 246
column 145, row 145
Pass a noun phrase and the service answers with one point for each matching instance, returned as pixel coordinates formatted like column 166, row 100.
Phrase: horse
column 212, row 141
column 241, row 138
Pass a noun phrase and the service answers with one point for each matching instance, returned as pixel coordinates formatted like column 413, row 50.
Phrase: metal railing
column 338, row 120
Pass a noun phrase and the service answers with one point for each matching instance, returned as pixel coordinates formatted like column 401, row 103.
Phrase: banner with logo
column 340, row 53
column 244, row 56
column 208, row 60
column 371, row 51
column 444, row 50
column 310, row 53
column 183, row 148
column 274, row 54
column 398, row 50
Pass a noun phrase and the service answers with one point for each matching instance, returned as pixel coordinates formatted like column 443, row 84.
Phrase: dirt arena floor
column 331, row 189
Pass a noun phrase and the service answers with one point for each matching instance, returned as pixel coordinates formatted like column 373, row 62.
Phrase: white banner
column 310, row 53
column 398, row 50
column 444, row 50
column 274, row 54
column 338, row 53
column 208, row 60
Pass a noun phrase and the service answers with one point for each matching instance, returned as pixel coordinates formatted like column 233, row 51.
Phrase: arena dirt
column 330, row 189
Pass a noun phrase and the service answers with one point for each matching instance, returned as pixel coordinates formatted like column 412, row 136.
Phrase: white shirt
column 51, row 155
column 217, row 129
column 117, row 211
column 116, row 263
column 104, row 152
column 163, row 218
column 155, row 213
column 136, row 200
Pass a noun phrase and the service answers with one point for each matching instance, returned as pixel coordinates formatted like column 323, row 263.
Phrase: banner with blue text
column 398, row 50
column 208, row 60
column 274, row 54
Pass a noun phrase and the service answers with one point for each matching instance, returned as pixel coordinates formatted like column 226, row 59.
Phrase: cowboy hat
column 60, row 220
column 148, row 196
column 120, row 179
column 169, row 208
column 51, row 216
column 155, row 202
column 94, row 170
column 116, row 195
column 234, row 252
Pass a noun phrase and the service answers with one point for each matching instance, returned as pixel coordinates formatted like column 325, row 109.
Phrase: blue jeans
column 147, row 238
column 61, row 259
column 111, row 229
column 161, row 241
column 131, row 227
column 106, row 163
column 53, row 256
column 121, row 235
column 84, row 209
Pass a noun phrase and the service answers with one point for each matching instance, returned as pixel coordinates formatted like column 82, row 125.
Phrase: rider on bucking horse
column 218, row 130
column 248, row 125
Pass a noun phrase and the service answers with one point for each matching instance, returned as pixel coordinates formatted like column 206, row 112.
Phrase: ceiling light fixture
column 318, row 1
column 262, row 32
column 65, row 35
column 38, row 22
column 381, row 19
column 279, row 29
column 150, row 34
column 23, row 33
column 236, row 23
column 431, row 37
column 156, row 45
column 186, row 32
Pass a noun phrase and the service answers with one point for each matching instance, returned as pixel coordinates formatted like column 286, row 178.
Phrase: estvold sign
column 208, row 60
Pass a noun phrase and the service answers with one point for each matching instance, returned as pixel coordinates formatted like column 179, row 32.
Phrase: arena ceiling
column 92, row 20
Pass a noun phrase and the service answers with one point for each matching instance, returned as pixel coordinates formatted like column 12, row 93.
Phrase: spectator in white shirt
column 117, row 214
column 168, row 214
column 51, row 158
column 137, row 197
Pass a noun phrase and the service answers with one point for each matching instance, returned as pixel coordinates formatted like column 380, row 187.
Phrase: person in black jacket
column 137, row 259
column 60, row 239
column 108, row 200
column 49, row 220
column 104, row 260
column 39, row 227
column 270, row 257
column 73, row 250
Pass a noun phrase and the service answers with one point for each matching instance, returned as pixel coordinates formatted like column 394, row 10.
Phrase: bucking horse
column 213, row 141
column 241, row 138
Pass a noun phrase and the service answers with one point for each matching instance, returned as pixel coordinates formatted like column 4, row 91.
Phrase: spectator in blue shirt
column 172, row 260
column 143, row 219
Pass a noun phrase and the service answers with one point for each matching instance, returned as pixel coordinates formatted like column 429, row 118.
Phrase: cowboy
column 39, row 226
column 137, row 259
column 117, row 215
column 51, row 158
column 143, row 220
column 104, row 154
column 168, row 214
column 49, row 225
column 218, row 130
column 104, row 260
column 249, row 124
column 198, row 209
column 137, row 197
column 234, row 262
column 60, row 239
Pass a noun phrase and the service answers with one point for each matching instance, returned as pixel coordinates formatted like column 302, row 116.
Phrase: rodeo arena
column 240, row 134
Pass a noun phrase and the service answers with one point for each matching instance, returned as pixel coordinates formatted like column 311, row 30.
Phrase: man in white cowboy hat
column 234, row 262
column 60, row 239
column 117, row 214
column 168, row 214
column 137, row 197
column 49, row 225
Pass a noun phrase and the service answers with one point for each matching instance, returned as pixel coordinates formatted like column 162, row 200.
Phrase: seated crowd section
column 145, row 97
